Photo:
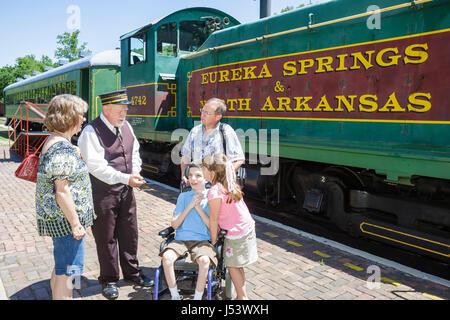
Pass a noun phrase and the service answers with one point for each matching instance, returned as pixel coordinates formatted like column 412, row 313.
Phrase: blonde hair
column 224, row 173
column 63, row 112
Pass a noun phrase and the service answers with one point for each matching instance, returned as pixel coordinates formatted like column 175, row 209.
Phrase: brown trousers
column 116, row 234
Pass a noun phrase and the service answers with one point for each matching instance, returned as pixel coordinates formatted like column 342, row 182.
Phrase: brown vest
column 117, row 154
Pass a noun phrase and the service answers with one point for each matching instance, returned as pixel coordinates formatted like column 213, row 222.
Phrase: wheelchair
column 188, row 270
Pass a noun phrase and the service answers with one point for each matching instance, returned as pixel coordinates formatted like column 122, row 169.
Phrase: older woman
column 64, row 204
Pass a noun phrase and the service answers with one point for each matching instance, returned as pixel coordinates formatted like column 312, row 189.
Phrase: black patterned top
column 62, row 162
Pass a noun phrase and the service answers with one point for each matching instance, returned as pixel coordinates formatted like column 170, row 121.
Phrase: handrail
column 308, row 27
column 16, row 121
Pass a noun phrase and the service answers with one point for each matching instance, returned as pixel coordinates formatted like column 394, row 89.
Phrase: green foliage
column 289, row 8
column 24, row 66
column 68, row 46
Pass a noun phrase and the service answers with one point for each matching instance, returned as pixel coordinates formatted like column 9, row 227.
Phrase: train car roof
column 104, row 58
column 157, row 21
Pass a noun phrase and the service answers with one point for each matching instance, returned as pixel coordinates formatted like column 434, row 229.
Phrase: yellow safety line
column 270, row 234
column 395, row 283
column 352, row 266
column 294, row 243
column 319, row 253
column 432, row 296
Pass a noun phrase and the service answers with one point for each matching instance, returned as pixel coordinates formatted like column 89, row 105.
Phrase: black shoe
column 141, row 280
column 110, row 291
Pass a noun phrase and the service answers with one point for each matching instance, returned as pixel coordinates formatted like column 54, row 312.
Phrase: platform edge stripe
column 352, row 266
column 150, row 181
column 395, row 283
column 331, row 243
column 294, row 243
column 320, row 253
column 431, row 296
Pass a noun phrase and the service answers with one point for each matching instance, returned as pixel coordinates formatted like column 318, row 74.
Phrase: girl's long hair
column 224, row 174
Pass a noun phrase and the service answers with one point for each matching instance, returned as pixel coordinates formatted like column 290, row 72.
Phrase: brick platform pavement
column 289, row 267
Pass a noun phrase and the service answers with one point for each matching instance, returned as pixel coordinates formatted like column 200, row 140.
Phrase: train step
column 28, row 142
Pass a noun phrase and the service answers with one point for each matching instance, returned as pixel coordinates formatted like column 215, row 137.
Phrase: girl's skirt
column 241, row 252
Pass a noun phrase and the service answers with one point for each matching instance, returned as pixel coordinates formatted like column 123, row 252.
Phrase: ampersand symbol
column 279, row 87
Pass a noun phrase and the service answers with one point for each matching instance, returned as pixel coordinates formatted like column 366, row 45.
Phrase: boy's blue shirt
column 193, row 227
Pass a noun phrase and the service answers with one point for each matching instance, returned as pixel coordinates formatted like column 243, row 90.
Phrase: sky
column 31, row 27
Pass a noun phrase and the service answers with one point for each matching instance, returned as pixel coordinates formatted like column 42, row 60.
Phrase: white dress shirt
column 94, row 155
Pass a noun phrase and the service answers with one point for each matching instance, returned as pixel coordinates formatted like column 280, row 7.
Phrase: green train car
column 87, row 78
column 342, row 108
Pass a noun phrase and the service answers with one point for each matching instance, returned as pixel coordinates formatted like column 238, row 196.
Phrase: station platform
column 291, row 266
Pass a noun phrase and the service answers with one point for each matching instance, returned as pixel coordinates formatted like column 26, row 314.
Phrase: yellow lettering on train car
column 245, row 73
column 386, row 57
column 289, row 68
column 303, row 104
column 348, row 105
column 393, row 59
column 368, row 103
column 324, row 62
column 420, row 54
column 392, row 105
column 358, row 56
column 323, row 105
column 414, row 102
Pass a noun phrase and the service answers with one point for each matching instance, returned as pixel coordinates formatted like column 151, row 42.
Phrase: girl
column 229, row 212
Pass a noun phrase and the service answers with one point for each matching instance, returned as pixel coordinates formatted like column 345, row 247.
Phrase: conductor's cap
column 116, row 97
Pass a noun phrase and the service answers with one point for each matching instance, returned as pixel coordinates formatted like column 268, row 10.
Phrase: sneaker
column 178, row 297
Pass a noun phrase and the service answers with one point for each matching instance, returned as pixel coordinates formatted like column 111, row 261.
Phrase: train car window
column 193, row 34
column 74, row 87
column 39, row 96
column 137, row 53
column 167, row 39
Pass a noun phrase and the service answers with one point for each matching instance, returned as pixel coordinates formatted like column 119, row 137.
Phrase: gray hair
column 221, row 107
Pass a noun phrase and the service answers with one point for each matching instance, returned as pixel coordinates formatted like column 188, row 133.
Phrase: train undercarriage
column 359, row 202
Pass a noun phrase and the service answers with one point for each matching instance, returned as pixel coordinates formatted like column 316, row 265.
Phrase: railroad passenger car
column 87, row 78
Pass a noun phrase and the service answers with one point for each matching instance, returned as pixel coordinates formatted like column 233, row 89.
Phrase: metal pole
column 264, row 8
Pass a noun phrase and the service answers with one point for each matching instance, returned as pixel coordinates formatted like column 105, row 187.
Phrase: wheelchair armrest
column 222, row 234
column 166, row 232
column 219, row 242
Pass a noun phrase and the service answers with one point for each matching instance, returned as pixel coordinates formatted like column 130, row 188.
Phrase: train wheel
column 348, row 177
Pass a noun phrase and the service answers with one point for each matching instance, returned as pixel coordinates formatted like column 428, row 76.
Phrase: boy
column 191, row 222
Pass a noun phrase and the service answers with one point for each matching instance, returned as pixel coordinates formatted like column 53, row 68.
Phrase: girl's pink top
column 233, row 217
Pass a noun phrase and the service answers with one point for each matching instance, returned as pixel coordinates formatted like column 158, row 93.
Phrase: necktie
column 118, row 134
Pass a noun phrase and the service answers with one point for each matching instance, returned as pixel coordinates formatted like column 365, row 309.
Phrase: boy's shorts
column 194, row 248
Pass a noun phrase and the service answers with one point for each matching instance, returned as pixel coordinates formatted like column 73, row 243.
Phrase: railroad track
column 287, row 216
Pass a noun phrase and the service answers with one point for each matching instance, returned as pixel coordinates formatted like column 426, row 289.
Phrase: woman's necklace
column 57, row 133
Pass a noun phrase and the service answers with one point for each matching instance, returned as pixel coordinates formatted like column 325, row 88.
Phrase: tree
column 6, row 78
column 24, row 66
column 289, row 8
column 68, row 46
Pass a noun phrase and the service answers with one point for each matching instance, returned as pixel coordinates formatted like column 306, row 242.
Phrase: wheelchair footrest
column 185, row 264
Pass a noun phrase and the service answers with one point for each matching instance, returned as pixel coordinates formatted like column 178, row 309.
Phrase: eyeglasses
column 202, row 110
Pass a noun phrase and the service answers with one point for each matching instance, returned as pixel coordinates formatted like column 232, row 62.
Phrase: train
column 341, row 107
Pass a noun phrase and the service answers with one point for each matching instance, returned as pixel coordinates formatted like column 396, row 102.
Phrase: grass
column 3, row 132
